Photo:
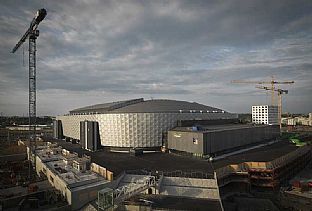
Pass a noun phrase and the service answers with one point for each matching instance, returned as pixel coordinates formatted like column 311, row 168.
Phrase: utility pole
column 32, row 33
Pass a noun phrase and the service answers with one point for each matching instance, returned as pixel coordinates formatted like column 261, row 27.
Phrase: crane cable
column 23, row 56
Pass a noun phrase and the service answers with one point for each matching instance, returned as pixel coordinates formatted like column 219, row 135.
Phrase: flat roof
column 70, row 175
column 263, row 154
column 54, row 159
column 119, row 162
column 214, row 128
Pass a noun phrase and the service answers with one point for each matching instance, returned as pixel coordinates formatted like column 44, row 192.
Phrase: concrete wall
column 80, row 197
column 75, row 196
column 108, row 175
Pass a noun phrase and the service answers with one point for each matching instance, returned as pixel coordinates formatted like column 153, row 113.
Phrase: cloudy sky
column 95, row 51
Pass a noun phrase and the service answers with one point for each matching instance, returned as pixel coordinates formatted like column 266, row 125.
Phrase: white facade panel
column 133, row 129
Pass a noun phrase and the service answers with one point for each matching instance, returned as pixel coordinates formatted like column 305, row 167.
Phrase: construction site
column 158, row 154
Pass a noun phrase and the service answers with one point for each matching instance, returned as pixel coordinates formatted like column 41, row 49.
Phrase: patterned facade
column 134, row 129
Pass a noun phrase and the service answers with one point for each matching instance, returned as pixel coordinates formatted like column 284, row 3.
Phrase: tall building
column 265, row 114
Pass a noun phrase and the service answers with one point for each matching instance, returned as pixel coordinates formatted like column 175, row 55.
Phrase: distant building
column 300, row 120
column 26, row 127
column 265, row 114
column 291, row 121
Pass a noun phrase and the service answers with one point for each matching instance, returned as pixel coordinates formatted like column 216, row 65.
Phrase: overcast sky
column 96, row 51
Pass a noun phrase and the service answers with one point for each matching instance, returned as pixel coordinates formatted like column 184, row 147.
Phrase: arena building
column 132, row 123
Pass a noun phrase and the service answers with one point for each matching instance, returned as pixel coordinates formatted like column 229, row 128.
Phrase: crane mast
column 280, row 92
column 32, row 33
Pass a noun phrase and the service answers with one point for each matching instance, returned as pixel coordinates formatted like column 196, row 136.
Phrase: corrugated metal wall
column 218, row 141
column 222, row 140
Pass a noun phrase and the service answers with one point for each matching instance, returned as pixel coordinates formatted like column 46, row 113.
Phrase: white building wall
column 264, row 114
column 133, row 129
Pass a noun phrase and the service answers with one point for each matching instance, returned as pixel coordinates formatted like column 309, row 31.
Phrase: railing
column 109, row 198
column 175, row 173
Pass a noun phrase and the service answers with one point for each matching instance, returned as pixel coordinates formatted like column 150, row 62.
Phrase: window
column 195, row 141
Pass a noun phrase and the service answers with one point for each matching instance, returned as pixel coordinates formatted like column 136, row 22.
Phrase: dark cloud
column 94, row 51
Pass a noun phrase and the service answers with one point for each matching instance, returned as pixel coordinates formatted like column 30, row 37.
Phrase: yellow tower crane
column 280, row 92
column 272, row 82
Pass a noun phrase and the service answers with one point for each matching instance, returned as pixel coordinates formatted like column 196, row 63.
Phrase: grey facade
column 89, row 135
column 220, row 139
column 57, row 129
column 137, row 123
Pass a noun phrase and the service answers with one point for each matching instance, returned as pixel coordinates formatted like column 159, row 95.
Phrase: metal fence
column 175, row 173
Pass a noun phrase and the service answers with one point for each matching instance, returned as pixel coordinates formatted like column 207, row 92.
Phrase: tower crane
column 272, row 82
column 280, row 92
column 32, row 33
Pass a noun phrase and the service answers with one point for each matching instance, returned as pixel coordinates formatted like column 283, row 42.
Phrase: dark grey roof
column 148, row 106
column 105, row 107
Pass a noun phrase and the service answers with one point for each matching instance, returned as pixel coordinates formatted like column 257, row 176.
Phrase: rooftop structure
column 69, row 174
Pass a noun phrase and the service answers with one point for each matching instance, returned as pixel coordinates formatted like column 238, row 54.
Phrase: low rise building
column 70, row 174
column 212, row 140
column 299, row 120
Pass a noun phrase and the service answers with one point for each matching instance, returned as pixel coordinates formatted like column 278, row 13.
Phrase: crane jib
column 40, row 15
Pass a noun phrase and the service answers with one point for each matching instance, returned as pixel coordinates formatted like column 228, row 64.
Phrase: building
column 265, row 114
column 185, row 178
column 299, row 120
column 217, row 139
column 76, row 178
column 136, row 123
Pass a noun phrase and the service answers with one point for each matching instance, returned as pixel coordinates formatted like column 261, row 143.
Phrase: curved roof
column 146, row 106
